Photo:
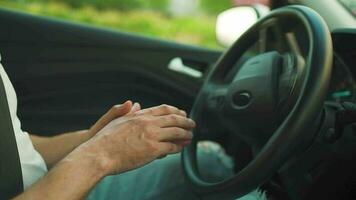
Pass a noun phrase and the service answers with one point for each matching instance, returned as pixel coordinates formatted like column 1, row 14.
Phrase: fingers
column 162, row 110
column 182, row 142
column 174, row 120
column 169, row 148
column 136, row 107
column 115, row 112
column 174, row 134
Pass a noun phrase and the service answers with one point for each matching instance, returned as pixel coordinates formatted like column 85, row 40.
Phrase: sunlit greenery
column 149, row 17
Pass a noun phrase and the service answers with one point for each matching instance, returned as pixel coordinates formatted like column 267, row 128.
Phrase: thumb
column 120, row 110
column 115, row 112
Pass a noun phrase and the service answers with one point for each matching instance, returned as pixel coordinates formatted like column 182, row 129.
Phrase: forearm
column 72, row 178
column 53, row 149
column 123, row 144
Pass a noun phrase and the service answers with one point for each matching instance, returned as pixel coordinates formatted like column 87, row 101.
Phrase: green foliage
column 199, row 30
column 108, row 4
column 208, row 6
column 215, row 6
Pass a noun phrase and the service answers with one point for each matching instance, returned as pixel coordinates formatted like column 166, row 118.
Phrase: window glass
column 349, row 5
column 185, row 21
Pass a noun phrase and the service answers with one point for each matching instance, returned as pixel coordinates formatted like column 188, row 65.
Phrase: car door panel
column 66, row 75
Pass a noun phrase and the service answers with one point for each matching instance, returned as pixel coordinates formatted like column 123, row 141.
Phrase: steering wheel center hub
column 254, row 88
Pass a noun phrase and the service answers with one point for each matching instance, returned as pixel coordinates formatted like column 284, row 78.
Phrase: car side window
column 184, row 21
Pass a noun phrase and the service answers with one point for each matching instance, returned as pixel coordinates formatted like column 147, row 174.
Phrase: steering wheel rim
column 290, row 133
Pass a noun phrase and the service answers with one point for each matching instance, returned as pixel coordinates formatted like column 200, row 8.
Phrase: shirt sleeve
column 32, row 164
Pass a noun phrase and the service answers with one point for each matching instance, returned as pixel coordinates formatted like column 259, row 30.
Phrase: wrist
column 86, row 156
column 96, row 153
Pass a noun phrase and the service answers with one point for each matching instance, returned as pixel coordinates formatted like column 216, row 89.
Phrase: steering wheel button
column 241, row 99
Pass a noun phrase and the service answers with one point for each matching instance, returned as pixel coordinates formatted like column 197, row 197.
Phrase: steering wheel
column 269, row 99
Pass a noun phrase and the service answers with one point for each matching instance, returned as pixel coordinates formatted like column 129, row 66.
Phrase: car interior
column 280, row 100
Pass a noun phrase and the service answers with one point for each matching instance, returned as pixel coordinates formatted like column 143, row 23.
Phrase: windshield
column 350, row 5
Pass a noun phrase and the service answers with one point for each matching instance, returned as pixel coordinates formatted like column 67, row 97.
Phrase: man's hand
column 138, row 138
column 54, row 149
column 119, row 145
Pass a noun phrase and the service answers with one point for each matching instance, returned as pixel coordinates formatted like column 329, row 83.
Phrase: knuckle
column 149, row 111
column 171, row 147
column 175, row 110
column 174, row 148
column 170, row 109
column 188, row 122
column 178, row 132
column 165, row 107
column 174, row 118
column 183, row 113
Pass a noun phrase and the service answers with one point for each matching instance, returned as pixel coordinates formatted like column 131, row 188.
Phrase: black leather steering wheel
column 268, row 101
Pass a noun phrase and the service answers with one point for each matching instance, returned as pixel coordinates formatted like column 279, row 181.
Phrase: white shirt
column 32, row 164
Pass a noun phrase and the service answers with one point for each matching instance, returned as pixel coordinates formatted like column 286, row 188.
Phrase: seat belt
column 10, row 167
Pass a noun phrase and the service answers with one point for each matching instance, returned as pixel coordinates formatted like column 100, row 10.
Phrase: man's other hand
column 115, row 112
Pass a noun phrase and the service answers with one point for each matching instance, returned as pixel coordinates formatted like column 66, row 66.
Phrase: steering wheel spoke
column 216, row 98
